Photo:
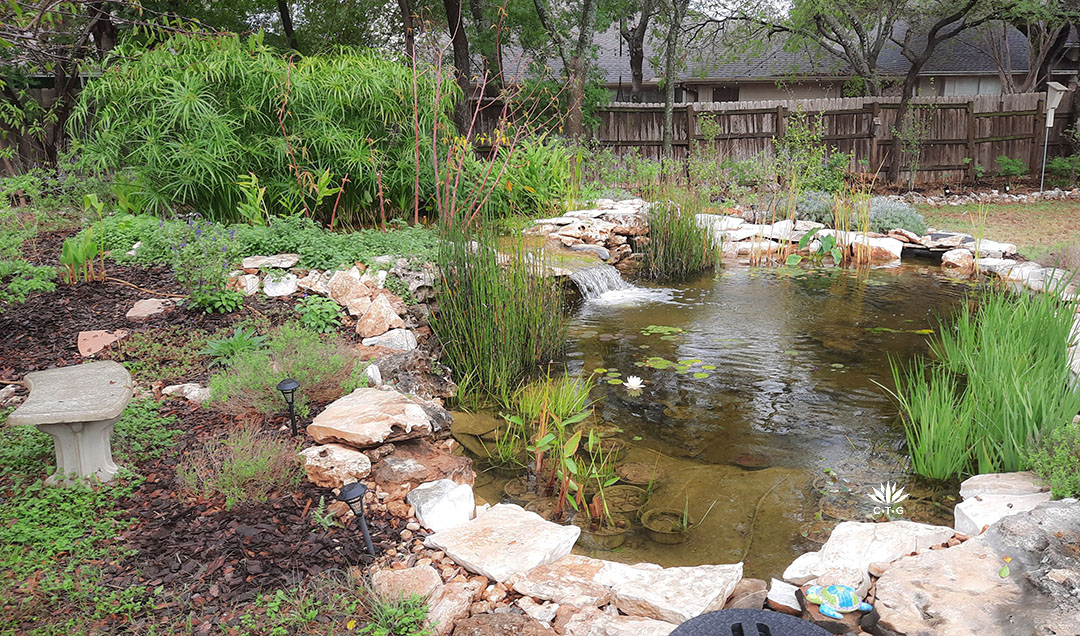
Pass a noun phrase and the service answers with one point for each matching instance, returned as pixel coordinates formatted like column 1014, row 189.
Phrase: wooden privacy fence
column 962, row 132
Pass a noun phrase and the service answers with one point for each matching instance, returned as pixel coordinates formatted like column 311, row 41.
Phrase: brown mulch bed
column 212, row 561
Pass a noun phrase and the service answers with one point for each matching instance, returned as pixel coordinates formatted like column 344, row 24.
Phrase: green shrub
column 180, row 121
column 1056, row 459
column 497, row 321
column 224, row 349
column 813, row 205
column 998, row 383
column 246, row 466
column 1008, row 167
column 677, row 244
column 534, row 181
column 19, row 279
column 324, row 365
column 1065, row 169
column 803, row 158
column 397, row 617
column 318, row 248
column 319, row 314
column 888, row 214
column 24, row 450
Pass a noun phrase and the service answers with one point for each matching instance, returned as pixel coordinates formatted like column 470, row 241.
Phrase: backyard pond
column 759, row 406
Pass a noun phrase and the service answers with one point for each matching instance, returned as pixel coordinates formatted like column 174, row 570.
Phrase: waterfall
column 595, row 281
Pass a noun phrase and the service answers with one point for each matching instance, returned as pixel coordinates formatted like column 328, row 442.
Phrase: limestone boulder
column 279, row 261
column 419, row 461
column 979, row 511
column 190, row 391
column 958, row 261
column 968, row 591
column 449, row 604
column 853, row 546
column 1017, row 483
column 748, row 594
column 677, row 594
column 315, row 282
column 358, row 306
column 876, row 250
column 1023, row 273
column 397, row 339
column 148, row 308
column 344, row 286
column 246, row 284
column 368, row 417
column 390, row 585
column 334, row 465
column 504, row 541
column 442, row 504
column 593, row 622
column 416, row 373
column 783, row 597
column 501, row 625
column 379, row 318
column 277, row 285
column 644, row 590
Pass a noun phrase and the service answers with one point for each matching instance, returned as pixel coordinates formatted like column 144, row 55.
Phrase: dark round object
column 352, row 492
column 747, row 622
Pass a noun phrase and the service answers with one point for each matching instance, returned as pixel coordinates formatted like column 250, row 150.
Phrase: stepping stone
column 91, row 342
column 147, row 308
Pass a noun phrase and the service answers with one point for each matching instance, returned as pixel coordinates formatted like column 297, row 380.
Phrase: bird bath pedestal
column 77, row 406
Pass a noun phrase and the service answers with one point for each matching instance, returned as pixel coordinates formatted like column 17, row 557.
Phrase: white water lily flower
column 634, row 383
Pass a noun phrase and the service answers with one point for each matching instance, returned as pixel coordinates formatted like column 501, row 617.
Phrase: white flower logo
column 888, row 494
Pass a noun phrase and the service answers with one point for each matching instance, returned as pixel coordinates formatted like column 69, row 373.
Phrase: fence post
column 691, row 128
column 875, row 115
column 971, row 140
column 1036, row 128
column 781, row 122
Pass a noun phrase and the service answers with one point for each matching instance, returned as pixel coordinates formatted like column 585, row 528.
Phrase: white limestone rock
column 504, row 541
column 443, row 504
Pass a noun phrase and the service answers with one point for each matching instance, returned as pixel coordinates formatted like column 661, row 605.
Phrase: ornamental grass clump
column 245, row 466
column 678, row 245
column 998, row 382
column 500, row 316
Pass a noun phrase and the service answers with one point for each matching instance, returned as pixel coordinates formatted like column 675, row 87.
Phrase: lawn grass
column 1042, row 232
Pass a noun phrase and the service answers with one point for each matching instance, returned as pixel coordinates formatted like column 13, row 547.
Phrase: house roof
column 967, row 53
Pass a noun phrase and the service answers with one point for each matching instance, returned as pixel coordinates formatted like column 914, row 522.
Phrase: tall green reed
column 678, row 245
column 999, row 381
column 500, row 317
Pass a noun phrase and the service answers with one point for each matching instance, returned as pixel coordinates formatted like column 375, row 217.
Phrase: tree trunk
column 579, row 71
column 407, row 27
column 489, row 48
column 635, row 44
column 671, row 43
column 911, row 81
column 286, row 24
column 460, row 41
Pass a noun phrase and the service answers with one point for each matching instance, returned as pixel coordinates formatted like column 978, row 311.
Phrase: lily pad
column 662, row 329
column 836, row 365
column 701, row 375
column 600, row 370
column 614, row 381
column 708, row 367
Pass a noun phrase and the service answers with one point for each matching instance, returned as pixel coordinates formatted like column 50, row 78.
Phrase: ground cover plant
column 324, row 365
column 1056, row 458
column 998, row 383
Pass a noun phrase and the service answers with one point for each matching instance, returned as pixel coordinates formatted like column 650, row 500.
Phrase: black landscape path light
column 353, row 495
column 288, row 388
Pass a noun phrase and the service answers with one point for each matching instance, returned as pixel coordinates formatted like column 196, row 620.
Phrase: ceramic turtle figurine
column 836, row 600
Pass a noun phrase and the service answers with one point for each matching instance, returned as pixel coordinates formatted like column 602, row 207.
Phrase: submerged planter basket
column 625, row 499
column 664, row 525
column 520, row 489
column 546, row 507
column 602, row 538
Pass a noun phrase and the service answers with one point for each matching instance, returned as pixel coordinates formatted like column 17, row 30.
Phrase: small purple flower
column 183, row 243
column 198, row 231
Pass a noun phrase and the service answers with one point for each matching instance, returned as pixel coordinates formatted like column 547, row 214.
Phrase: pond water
column 759, row 401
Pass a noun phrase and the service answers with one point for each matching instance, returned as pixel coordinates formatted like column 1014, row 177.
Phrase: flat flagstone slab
column 368, row 417
column 504, row 541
